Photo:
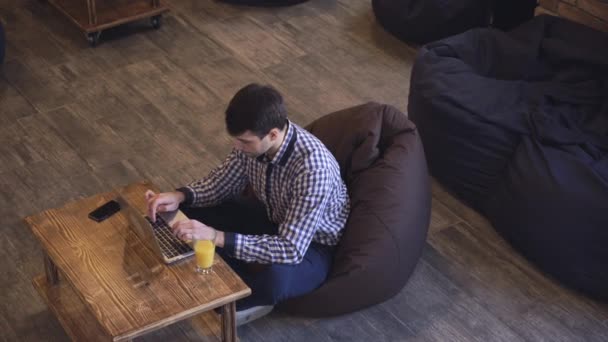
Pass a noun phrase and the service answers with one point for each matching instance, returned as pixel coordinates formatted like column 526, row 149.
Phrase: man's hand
column 193, row 230
column 165, row 201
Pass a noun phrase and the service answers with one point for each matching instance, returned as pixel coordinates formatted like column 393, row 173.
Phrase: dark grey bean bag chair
column 382, row 161
column 264, row 3
column 423, row 21
column 508, row 14
column 516, row 124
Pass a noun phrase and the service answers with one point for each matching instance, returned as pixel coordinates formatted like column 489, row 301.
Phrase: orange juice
column 204, row 251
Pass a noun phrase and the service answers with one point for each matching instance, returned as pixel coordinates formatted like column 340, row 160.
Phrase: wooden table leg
column 89, row 12
column 229, row 322
column 94, row 12
column 52, row 275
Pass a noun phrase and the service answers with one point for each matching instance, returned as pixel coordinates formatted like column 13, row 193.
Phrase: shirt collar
column 286, row 149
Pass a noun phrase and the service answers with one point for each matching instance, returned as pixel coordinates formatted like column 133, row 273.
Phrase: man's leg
column 277, row 282
column 241, row 215
column 269, row 284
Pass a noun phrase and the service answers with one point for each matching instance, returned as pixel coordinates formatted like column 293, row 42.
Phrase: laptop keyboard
column 170, row 245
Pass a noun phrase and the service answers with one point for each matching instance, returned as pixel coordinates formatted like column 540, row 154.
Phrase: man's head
column 256, row 118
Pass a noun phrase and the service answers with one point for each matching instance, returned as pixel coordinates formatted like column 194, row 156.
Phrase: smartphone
column 105, row 211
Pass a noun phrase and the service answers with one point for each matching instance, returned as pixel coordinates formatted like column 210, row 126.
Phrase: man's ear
column 274, row 134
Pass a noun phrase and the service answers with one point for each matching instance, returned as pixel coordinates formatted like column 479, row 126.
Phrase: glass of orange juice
column 204, row 250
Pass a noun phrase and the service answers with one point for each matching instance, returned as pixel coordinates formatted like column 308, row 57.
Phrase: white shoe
column 253, row 313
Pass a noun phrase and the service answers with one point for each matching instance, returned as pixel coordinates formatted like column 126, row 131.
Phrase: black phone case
column 106, row 210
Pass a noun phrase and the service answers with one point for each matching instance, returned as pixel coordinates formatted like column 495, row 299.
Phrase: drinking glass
column 204, row 250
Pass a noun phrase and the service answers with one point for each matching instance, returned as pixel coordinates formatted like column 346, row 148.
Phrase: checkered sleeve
column 226, row 181
column 311, row 196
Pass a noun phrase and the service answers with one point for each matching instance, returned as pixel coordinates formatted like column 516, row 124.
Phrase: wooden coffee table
column 103, row 284
column 93, row 16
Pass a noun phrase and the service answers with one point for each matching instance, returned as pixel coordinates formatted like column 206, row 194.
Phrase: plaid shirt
column 301, row 188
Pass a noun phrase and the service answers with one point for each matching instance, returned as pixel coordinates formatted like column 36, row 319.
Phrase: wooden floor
column 75, row 121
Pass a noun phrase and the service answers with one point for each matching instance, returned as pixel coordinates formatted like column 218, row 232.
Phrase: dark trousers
column 269, row 283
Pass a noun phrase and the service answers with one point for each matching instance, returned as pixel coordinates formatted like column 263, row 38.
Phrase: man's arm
column 223, row 182
column 311, row 195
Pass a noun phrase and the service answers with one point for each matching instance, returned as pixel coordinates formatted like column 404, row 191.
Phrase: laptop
column 157, row 235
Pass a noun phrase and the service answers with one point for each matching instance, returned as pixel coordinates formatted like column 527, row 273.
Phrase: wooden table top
column 123, row 283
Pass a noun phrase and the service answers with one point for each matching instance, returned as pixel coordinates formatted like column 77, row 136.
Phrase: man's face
column 251, row 144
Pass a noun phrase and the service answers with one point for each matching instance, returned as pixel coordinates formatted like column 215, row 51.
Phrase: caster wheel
column 93, row 38
column 156, row 21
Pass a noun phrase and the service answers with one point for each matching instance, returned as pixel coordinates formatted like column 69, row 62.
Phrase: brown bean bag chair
column 382, row 162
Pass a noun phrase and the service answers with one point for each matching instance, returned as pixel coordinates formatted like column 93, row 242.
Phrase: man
column 283, row 248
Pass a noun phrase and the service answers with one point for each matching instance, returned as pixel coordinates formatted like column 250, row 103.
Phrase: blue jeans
column 269, row 283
